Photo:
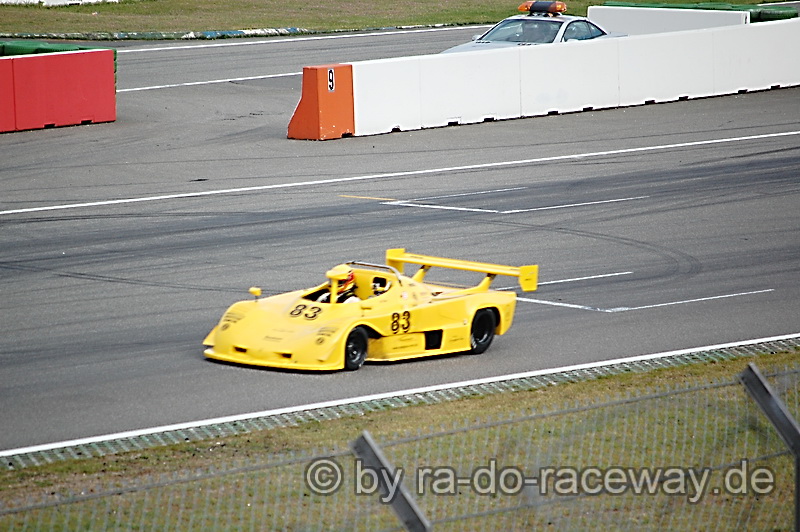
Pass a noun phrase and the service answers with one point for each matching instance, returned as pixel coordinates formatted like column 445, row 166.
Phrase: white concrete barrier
column 644, row 21
column 569, row 77
column 389, row 95
column 469, row 88
column 666, row 67
column 437, row 90
column 757, row 56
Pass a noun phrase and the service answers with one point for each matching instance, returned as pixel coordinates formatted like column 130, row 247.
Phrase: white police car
column 543, row 24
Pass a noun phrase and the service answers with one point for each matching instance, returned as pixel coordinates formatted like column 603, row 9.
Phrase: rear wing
column 528, row 275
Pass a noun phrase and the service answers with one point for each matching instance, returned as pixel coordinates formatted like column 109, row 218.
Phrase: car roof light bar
column 535, row 7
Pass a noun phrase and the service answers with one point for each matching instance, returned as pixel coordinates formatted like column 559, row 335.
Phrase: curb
column 200, row 35
column 160, row 36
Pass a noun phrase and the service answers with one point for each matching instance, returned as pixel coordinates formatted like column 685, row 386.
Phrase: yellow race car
column 369, row 312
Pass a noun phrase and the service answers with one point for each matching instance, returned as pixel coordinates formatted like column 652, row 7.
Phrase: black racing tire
column 482, row 332
column 355, row 349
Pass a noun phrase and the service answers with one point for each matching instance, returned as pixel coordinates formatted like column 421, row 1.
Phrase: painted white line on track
column 574, row 205
column 437, row 207
column 572, row 280
column 559, row 304
column 587, row 278
column 643, row 307
column 380, row 396
column 192, row 83
column 289, row 40
column 409, row 203
column 408, row 173
column 468, row 194
column 625, row 309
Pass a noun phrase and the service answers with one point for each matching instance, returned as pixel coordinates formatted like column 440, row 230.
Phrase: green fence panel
column 39, row 47
column 46, row 48
column 20, row 47
column 757, row 13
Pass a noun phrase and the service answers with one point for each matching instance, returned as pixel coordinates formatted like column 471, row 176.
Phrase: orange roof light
column 534, row 6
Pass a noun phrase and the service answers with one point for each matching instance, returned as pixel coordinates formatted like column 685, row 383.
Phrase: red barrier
column 325, row 110
column 8, row 120
column 63, row 88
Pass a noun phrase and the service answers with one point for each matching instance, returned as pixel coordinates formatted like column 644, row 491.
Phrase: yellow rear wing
column 528, row 275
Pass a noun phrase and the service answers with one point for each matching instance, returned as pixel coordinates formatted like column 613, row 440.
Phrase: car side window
column 575, row 31
column 581, row 30
column 594, row 31
column 505, row 31
column 380, row 285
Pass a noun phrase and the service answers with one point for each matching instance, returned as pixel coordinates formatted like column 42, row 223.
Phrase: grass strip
column 137, row 465
column 140, row 16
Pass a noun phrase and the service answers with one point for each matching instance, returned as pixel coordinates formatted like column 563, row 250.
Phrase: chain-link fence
column 699, row 458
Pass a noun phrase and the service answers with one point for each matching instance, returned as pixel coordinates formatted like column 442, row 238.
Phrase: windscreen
column 534, row 30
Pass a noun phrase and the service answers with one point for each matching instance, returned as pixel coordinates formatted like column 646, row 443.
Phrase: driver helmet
column 348, row 284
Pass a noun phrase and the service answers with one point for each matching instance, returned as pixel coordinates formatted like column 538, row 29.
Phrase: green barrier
column 37, row 47
column 761, row 13
column 46, row 48
column 20, row 47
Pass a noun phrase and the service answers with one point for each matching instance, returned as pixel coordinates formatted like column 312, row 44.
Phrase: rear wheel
column 482, row 332
column 355, row 349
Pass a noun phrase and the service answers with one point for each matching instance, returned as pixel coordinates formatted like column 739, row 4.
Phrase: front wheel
column 482, row 332
column 355, row 349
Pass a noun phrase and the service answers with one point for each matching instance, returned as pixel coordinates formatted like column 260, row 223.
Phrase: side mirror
column 255, row 291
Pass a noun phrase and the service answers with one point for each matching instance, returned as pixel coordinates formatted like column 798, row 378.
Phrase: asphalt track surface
column 656, row 228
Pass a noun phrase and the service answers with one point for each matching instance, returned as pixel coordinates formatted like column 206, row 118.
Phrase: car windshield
column 537, row 30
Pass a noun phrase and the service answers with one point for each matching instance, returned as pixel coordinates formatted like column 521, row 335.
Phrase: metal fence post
column 403, row 504
column 771, row 404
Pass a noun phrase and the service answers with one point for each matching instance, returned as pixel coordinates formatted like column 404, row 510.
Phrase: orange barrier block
column 325, row 110
column 8, row 121
column 64, row 89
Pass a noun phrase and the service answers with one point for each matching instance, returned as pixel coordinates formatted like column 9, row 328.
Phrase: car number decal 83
column 309, row 313
column 401, row 322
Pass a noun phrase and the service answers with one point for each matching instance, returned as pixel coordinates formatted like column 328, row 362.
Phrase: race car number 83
column 309, row 313
column 401, row 322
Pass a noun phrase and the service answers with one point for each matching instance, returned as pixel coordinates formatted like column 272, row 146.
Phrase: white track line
column 409, row 173
column 644, row 307
column 572, row 280
column 462, row 194
column 192, row 83
column 574, row 205
column 409, row 203
column 587, row 278
column 558, row 304
column 289, row 40
column 376, row 397
column 402, row 203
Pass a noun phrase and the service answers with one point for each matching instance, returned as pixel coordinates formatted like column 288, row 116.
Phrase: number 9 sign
column 331, row 81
